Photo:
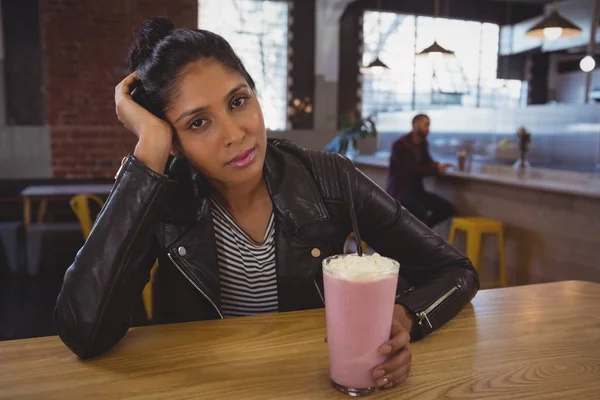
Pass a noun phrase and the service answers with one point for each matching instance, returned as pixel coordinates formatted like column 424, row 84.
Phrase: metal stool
column 475, row 227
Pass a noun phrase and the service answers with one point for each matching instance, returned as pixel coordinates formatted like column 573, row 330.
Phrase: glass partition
column 565, row 137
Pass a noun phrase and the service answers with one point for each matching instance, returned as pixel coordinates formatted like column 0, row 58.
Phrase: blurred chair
column 36, row 235
column 80, row 205
column 350, row 246
column 475, row 227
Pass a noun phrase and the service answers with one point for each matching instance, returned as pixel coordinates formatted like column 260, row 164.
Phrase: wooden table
column 526, row 342
column 44, row 192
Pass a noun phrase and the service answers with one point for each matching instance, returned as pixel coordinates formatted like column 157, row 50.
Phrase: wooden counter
column 552, row 230
column 524, row 342
column 545, row 180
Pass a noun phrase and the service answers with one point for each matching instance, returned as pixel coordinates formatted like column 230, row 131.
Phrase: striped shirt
column 247, row 269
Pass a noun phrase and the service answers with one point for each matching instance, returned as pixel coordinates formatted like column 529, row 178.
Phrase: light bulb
column 587, row 64
column 435, row 56
column 377, row 70
column 552, row 33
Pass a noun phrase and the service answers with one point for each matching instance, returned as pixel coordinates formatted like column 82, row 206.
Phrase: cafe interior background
column 492, row 81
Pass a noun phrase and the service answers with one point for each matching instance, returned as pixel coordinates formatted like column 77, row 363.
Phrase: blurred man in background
column 410, row 162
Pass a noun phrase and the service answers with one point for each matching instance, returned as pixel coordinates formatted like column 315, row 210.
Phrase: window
column 413, row 83
column 258, row 32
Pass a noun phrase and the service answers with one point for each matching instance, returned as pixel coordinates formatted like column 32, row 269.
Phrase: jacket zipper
column 123, row 161
column 196, row 286
column 423, row 315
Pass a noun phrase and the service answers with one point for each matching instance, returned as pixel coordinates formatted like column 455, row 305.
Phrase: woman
column 240, row 225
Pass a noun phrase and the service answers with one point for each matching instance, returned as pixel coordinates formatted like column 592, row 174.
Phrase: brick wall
column 85, row 44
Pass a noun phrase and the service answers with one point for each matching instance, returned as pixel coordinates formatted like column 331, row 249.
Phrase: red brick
column 85, row 46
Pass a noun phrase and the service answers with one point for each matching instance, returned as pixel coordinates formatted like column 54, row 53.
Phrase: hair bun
column 152, row 31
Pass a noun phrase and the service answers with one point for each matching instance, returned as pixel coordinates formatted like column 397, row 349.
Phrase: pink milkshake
column 359, row 305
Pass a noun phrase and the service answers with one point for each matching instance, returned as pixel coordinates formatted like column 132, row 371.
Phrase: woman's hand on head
column 155, row 136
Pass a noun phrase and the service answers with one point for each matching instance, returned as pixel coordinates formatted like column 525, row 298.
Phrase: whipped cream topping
column 356, row 268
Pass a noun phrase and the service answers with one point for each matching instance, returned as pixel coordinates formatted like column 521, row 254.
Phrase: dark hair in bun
column 160, row 51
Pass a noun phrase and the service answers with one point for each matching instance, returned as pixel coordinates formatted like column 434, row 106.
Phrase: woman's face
column 219, row 123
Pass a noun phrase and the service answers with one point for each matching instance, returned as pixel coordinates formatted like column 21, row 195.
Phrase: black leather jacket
column 149, row 215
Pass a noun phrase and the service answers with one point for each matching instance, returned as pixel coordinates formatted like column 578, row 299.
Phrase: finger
column 397, row 327
column 123, row 89
column 400, row 338
column 125, row 106
column 390, row 368
column 398, row 381
column 394, row 377
column 129, row 79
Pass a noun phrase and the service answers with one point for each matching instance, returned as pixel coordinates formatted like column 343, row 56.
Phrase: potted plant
column 352, row 128
column 524, row 141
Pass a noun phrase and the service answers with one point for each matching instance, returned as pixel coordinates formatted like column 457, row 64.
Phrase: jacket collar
column 296, row 198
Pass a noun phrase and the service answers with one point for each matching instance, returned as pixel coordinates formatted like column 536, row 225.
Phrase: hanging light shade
column 376, row 67
column 436, row 51
column 554, row 26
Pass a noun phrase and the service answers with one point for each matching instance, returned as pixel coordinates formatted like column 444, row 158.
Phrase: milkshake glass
column 359, row 305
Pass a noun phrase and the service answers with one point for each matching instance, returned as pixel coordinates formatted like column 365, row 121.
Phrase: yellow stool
column 80, row 205
column 147, row 293
column 475, row 227
column 350, row 245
